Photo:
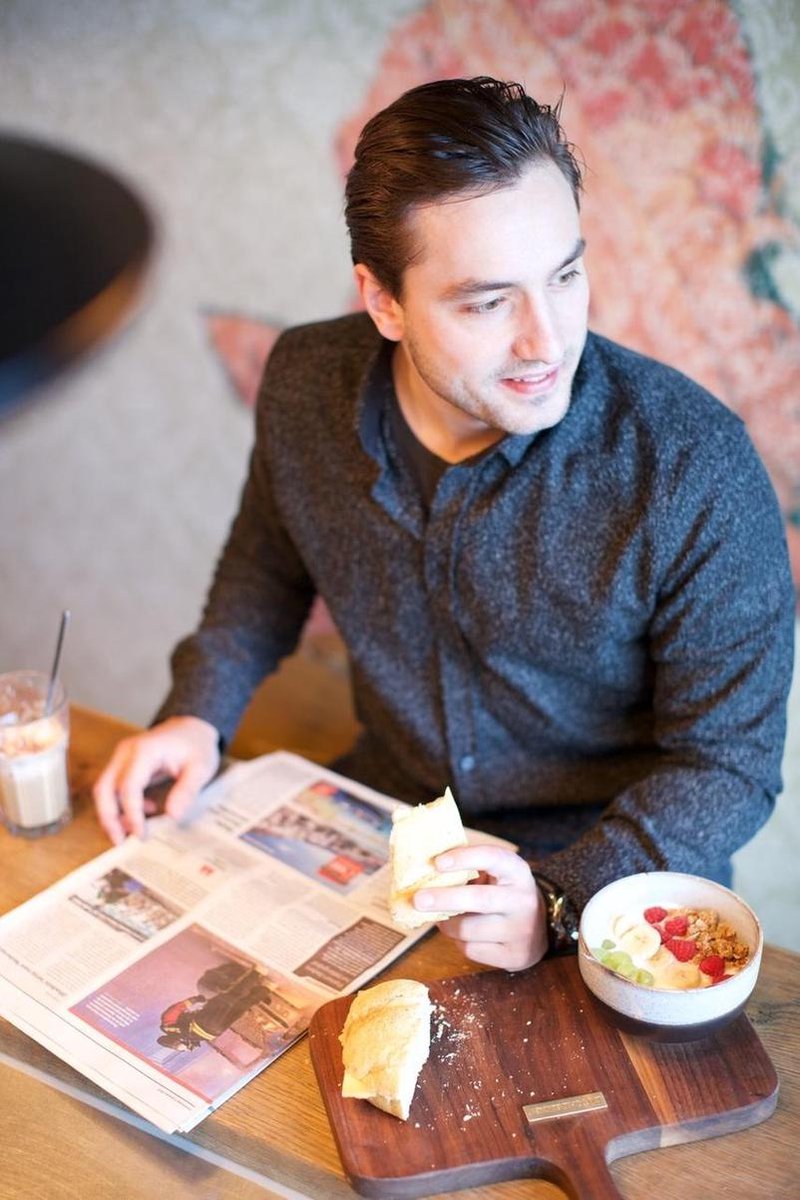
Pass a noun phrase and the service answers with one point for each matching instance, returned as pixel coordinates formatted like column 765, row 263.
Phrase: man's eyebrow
column 577, row 251
column 475, row 287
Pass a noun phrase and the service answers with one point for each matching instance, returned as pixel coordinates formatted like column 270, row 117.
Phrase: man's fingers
column 106, row 804
column 503, row 865
column 469, row 898
column 486, row 927
column 180, row 748
column 498, row 921
column 106, row 792
column 131, row 782
column 496, row 954
column 119, row 791
column 189, row 782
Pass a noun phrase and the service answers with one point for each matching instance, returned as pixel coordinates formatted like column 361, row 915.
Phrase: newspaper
column 172, row 970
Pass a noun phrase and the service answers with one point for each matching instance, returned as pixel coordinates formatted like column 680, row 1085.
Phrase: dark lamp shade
column 74, row 243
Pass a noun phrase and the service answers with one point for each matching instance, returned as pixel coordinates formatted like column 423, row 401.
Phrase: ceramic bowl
column 660, row 1013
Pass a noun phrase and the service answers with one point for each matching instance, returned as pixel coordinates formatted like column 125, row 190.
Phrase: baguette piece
column 418, row 835
column 385, row 1041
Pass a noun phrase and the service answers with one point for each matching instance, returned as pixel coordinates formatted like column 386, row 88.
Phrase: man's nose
column 537, row 338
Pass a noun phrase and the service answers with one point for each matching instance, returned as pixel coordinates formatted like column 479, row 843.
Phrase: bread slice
column 418, row 835
column 385, row 1041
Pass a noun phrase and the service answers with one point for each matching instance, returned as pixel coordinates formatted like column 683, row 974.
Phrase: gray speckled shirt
column 588, row 636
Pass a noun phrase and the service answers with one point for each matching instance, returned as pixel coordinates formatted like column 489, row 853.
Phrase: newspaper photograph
column 199, row 1012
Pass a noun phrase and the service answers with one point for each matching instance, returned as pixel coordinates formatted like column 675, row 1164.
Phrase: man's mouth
column 533, row 383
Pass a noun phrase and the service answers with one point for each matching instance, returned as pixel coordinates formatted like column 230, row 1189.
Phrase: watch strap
column 562, row 916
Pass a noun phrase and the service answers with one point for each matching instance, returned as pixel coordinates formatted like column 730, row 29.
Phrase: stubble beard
column 504, row 414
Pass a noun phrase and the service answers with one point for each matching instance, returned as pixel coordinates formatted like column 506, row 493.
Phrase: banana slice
column 662, row 958
column 623, row 924
column 641, row 942
column 681, row 976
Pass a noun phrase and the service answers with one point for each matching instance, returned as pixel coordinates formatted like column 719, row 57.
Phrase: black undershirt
column 426, row 467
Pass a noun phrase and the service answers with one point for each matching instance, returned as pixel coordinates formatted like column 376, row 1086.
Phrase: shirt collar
column 377, row 393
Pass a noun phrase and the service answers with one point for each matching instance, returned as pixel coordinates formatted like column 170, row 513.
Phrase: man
column 201, row 1018
column 558, row 566
column 169, row 1019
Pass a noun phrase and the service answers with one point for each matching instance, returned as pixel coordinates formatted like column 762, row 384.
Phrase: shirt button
column 467, row 763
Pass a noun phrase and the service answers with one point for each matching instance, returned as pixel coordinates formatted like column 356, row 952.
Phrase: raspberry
column 713, row 964
column 654, row 915
column 682, row 948
column 676, row 926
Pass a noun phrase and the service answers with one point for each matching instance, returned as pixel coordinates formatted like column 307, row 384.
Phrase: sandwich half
column 418, row 835
column 385, row 1042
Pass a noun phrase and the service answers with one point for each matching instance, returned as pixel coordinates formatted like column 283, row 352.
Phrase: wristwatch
column 562, row 920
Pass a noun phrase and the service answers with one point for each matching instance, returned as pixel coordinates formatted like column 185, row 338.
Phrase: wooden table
column 272, row 1139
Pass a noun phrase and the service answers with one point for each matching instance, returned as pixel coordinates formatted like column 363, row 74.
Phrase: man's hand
column 502, row 919
column 185, row 749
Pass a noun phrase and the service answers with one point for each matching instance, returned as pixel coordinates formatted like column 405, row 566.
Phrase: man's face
column 492, row 320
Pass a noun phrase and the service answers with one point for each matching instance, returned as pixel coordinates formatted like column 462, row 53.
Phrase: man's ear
column 381, row 305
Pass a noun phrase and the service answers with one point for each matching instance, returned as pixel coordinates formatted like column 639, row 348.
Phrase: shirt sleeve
column 721, row 645
column 258, row 602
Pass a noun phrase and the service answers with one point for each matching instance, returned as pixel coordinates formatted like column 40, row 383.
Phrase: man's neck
column 440, row 426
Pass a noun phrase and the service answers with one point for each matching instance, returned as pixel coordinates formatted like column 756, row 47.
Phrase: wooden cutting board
column 501, row 1042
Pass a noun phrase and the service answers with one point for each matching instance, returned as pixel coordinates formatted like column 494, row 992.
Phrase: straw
column 56, row 661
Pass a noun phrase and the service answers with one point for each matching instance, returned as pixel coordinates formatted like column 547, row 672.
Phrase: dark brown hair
column 437, row 141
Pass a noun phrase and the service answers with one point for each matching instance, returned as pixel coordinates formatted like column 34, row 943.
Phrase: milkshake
column 34, row 793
